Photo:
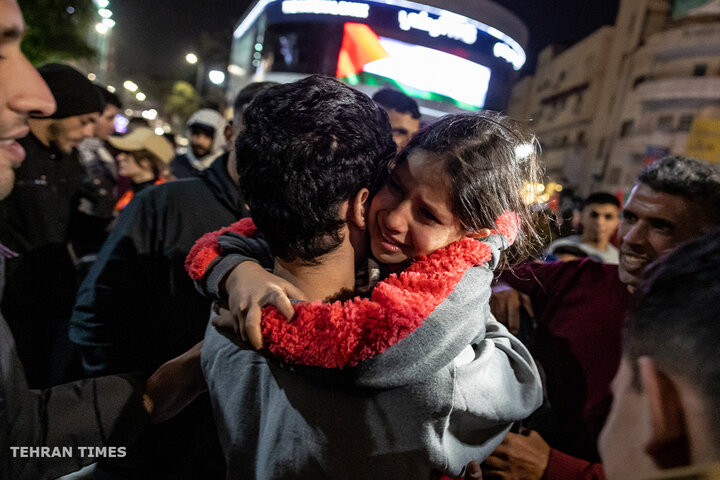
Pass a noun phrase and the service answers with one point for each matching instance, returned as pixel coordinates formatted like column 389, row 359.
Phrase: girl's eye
column 427, row 214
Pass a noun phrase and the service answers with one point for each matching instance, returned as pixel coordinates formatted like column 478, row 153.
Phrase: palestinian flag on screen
column 362, row 51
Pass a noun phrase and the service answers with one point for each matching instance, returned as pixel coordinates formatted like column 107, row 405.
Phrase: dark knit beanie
column 73, row 92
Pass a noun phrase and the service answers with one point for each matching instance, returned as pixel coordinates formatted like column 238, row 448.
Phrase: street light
column 216, row 76
column 193, row 59
column 129, row 85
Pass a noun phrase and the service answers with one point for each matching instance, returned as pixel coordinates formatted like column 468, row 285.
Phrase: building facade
column 626, row 95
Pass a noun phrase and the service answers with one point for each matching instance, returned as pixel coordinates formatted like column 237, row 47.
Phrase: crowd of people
column 325, row 287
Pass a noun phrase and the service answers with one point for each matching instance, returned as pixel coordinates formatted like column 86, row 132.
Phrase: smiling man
column 580, row 306
column 665, row 396
column 35, row 219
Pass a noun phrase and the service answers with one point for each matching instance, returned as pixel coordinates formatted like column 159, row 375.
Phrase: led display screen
column 417, row 70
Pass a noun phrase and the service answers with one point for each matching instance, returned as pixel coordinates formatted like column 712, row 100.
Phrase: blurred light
column 102, row 3
column 70, row 10
column 111, row 89
column 101, row 28
column 191, row 58
column 121, row 123
column 108, row 22
column 182, row 141
column 236, row 70
column 532, row 193
column 216, row 76
column 159, row 131
column 140, row 96
column 559, row 188
column 128, row 112
column 257, row 55
column 258, row 47
column 166, row 129
column 91, row 77
column 149, row 114
column 129, row 85
column 524, row 151
column 105, row 13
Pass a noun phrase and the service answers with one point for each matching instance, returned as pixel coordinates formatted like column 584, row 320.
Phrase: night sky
column 152, row 36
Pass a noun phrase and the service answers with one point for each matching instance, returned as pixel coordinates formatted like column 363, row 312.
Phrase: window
column 665, row 122
column 685, row 123
column 639, row 80
column 578, row 103
column 626, row 128
column 700, row 70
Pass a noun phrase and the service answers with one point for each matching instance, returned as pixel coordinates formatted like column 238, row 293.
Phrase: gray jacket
column 444, row 395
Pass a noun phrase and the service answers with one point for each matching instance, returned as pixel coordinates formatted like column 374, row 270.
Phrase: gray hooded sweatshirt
column 444, row 395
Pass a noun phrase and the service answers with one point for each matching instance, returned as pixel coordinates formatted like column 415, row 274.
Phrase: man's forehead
column 602, row 207
column 689, row 212
column 643, row 195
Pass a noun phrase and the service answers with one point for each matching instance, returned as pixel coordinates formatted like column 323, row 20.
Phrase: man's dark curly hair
column 308, row 146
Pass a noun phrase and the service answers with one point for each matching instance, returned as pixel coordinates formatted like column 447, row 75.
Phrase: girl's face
column 411, row 215
column 129, row 168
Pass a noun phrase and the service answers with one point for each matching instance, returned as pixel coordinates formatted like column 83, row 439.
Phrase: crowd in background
column 599, row 358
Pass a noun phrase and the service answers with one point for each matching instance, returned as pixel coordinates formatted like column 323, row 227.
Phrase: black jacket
column 48, row 187
column 36, row 221
column 137, row 307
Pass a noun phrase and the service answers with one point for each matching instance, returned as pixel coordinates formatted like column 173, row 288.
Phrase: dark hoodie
column 138, row 308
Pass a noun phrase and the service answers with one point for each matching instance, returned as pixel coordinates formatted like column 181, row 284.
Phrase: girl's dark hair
column 491, row 160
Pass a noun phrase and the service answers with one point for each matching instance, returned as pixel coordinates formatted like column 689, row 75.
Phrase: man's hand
column 518, row 457
column 174, row 385
column 250, row 288
column 505, row 304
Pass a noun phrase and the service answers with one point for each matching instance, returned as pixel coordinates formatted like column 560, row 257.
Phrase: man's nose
column 28, row 92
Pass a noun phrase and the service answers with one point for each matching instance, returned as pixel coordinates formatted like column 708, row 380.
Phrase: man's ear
column 668, row 443
column 358, row 208
column 483, row 232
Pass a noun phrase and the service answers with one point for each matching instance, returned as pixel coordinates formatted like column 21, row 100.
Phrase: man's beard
column 199, row 151
column 55, row 130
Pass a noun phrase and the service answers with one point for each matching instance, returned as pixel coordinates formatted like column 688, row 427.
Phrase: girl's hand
column 250, row 288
